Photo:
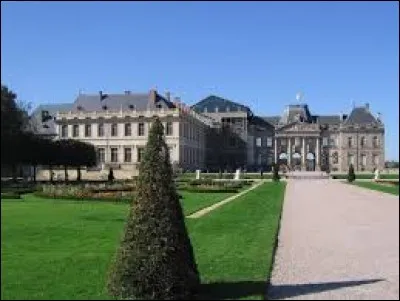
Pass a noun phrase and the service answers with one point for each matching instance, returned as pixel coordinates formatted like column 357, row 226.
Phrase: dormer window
column 216, row 109
column 131, row 107
column 80, row 108
column 158, row 106
column 228, row 109
column 104, row 107
column 205, row 110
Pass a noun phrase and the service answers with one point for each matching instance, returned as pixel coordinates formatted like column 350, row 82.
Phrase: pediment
column 298, row 127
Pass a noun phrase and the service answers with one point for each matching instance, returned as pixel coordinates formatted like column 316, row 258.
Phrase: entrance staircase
column 307, row 175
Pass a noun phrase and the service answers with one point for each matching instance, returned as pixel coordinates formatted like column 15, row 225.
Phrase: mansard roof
column 328, row 119
column 42, row 118
column 212, row 102
column 296, row 112
column 123, row 101
column 361, row 115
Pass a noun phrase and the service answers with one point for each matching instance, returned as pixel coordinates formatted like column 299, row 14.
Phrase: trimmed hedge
column 84, row 198
column 366, row 176
column 10, row 196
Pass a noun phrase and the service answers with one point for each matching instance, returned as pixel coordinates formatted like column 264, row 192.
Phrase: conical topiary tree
column 351, row 176
column 155, row 259
column 275, row 175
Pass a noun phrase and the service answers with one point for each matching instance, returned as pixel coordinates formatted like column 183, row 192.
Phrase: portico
column 298, row 146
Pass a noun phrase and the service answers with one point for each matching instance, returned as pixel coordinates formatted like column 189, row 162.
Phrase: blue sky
column 257, row 53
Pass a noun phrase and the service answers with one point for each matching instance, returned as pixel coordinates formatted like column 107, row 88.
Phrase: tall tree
column 155, row 259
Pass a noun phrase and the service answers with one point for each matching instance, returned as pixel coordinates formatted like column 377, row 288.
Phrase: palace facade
column 216, row 133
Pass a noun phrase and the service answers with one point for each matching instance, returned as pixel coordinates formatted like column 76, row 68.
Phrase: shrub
column 275, row 175
column 111, row 175
column 351, row 176
column 155, row 259
column 10, row 195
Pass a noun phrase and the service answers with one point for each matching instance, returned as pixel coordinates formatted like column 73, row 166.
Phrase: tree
column 155, row 259
column 275, row 175
column 12, row 117
column 351, row 176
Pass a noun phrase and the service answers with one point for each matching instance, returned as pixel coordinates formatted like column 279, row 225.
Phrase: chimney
column 127, row 92
column 367, row 106
column 168, row 95
column 153, row 95
column 101, row 95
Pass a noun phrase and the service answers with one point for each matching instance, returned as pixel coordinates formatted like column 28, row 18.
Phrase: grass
column 61, row 249
column 194, row 201
column 234, row 245
column 379, row 187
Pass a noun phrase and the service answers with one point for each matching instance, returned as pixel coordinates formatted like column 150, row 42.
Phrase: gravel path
column 336, row 242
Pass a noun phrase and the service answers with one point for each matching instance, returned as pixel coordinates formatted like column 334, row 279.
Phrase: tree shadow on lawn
column 242, row 289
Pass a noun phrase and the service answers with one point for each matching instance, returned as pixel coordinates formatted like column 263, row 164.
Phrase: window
column 168, row 129
column 283, row 142
column 128, row 129
column 114, row 154
column 269, row 141
column 141, row 129
column 351, row 159
column 335, row 158
column 362, row 141
column 364, row 160
column 325, row 141
column 101, row 155
column 75, row 130
column 375, row 142
column 350, row 141
column 127, row 154
column 100, row 130
column 171, row 151
column 375, row 159
column 332, row 142
column 64, row 130
column 140, row 153
column 114, row 129
column 88, row 130
column 258, row 141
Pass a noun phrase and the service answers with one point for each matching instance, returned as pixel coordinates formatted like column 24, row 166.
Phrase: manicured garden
column 388, row 188
column 61, row 249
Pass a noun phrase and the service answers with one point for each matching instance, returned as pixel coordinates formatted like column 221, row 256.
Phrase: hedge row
column 366, row 176
column 85, row 198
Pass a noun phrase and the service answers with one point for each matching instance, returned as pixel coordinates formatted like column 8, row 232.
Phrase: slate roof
column 258, row 121
column 360, row 115
column 274, row 120
column 328, row 119
column 224, row 105
column 292, row 112
column 42, row 118
column 115, row 102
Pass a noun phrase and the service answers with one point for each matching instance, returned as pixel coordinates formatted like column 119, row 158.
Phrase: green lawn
column 60, row 249
column 194, row 201
column 379, row 187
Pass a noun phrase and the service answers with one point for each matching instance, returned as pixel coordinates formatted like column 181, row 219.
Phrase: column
column 317, row 152
column 303, row 154
column 275, row 150
column 289, row 151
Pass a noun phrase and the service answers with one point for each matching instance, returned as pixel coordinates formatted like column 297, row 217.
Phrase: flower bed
column 114, row 192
